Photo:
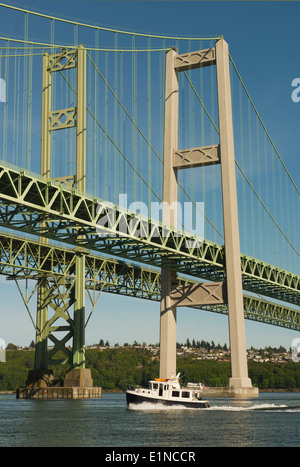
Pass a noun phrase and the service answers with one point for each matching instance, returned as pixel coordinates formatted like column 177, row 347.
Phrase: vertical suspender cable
column 123, row 165
column 25, row 96
column 14, row 149
column 288, row 222
column 259, row 174
column 1, row 106
column 189, row 175
column 244, row 197
column 97, row 153
column 251, row 217
column 52, row 102
column 5, row 104
column 273, row 197
column 161, row 116
column 18, row 111
column 72, row 136
column 106, row 179
column 266, row 222
column 281, row 216
column 149, row 122
column 90, row 187
column 30, row 58
column 116, row 181
column 134, row 107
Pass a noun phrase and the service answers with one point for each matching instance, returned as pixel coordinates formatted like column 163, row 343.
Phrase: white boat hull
column 135, row 398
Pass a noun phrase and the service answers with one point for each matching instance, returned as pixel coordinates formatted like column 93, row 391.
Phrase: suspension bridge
column 138, row 165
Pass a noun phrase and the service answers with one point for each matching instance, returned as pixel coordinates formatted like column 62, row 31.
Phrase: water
column 271, row 420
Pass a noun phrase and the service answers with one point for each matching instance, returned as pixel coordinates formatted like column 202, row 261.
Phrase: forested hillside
column 114, row 369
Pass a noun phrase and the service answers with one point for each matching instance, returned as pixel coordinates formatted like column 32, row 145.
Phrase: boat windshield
column 153, row 385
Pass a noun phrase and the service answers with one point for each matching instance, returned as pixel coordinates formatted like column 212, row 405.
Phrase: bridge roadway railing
column 48, row 209
column 23, row 258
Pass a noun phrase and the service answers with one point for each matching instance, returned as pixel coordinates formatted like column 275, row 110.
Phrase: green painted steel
column 27, row 259
column 79, row 313
column 66, row 215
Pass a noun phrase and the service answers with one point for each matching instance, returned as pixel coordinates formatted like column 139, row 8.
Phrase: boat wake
column 157, row 406
column 148, row 406
column 250, row 408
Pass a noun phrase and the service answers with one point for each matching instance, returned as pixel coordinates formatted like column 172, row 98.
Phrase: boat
column 167, row 392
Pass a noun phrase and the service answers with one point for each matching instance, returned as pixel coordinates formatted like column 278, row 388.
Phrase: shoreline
column 120, row 391
column 112, row 391
column 280, row 390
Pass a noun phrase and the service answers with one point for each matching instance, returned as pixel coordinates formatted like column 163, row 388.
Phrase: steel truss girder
column 264, row 312
column 27, row 202
column 23, row 259
column 59, row 299
column 55, row 299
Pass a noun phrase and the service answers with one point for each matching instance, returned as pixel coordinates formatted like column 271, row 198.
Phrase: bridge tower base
column 230, row 392
column 49, row 393
column 243, row 392
column 78, row 384
column 79, row 377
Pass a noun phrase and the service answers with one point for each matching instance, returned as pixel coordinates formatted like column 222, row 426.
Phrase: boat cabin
column 171, row 389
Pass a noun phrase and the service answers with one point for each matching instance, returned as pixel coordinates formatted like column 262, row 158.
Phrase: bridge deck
column 22, row 258
column 75, row 218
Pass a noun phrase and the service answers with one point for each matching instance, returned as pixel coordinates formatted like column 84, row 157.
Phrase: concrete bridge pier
column 230, row 291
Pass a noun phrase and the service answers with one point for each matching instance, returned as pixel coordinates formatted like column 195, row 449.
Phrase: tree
column 11, row 346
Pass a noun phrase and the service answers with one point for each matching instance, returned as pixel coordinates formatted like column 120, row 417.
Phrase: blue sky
column 264, row 41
